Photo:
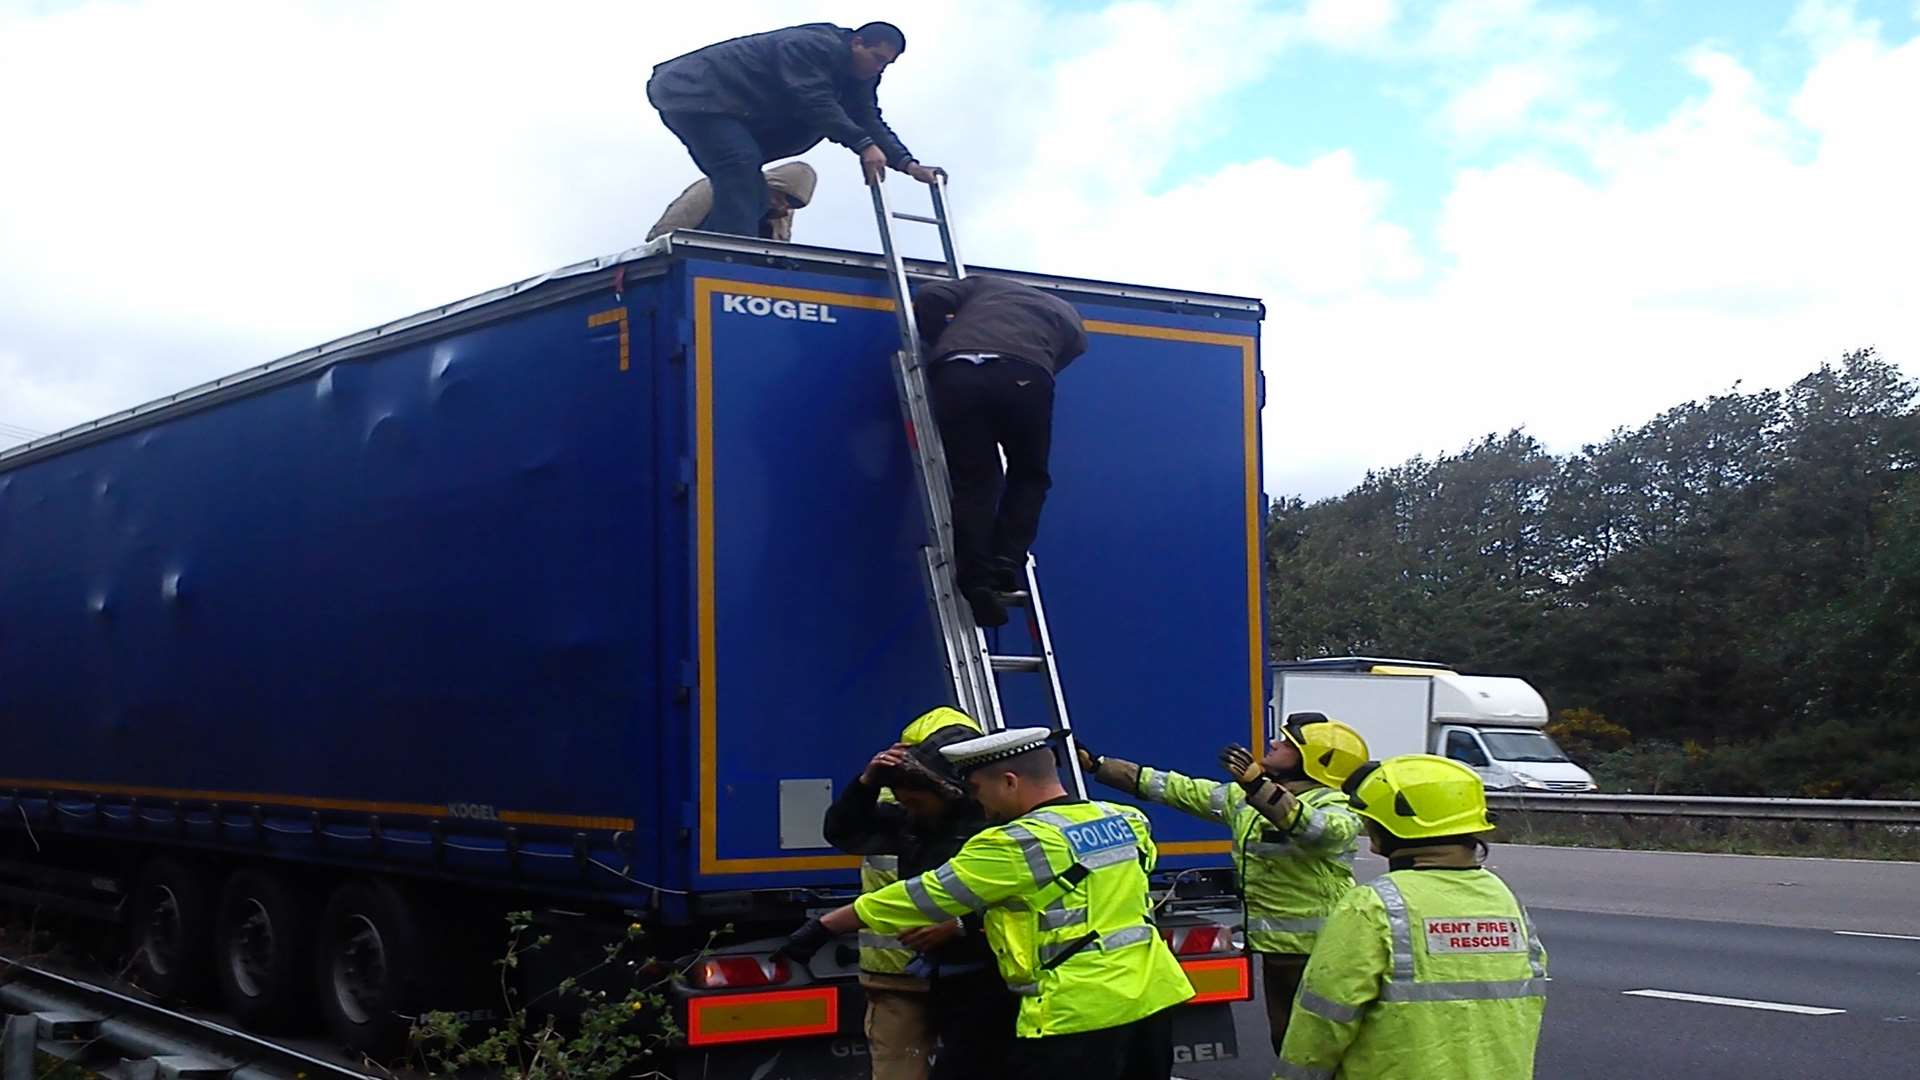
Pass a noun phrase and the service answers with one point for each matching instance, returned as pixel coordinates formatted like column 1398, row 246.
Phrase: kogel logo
column 761, row 307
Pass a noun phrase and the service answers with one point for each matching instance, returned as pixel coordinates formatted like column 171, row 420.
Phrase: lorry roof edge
column 661, row 249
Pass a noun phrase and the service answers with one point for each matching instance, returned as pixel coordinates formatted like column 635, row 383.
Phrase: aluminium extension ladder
column 972, row 663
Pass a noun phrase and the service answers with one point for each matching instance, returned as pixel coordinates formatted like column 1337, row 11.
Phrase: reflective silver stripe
column 949, row 880
column 1025, row 989
column 917, row 892
column 1060, row 918
column 1059, row 821
column 1315, row 826
column 1270, row 849
column 1396, row 906
column 1036, row 856
column 1536, row 955
column 1217, row 804
column 1328, row 1010
column 871, row 940
column 1048, row 953
column 1268, row 924
column 1156, row 787
column 1463, row 991
column 886, row 864
column 1110, row 857
column 1349, row 855
column 1287, row 1070
column 1132, row 935
column 1119, row 939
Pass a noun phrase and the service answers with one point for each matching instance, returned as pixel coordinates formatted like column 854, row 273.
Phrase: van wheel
column 172, row 929
column 263, row 950
column 371, row 967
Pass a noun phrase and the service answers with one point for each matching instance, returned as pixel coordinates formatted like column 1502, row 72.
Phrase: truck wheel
column 172, row 929
column 263, row 950
column 371, row 967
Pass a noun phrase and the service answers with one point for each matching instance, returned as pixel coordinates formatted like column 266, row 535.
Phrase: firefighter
column 1063, row 886
column 1433, row 970
column 1293, row 837
column 905, row 814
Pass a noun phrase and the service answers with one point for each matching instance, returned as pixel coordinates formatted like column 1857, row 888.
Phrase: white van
column 1492, row 723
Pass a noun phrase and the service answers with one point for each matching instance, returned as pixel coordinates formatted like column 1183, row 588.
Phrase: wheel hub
column 359, row 970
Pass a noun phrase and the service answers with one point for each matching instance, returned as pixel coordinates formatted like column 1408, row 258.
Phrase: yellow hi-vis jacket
column 1420, row 975
column 1064, row 892
column 1291, row 873
column 882, row 954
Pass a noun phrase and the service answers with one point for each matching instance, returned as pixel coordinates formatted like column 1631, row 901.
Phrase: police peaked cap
column 972, row 754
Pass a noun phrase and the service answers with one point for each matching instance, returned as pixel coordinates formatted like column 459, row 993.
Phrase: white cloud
column 1733, row 241
column 1349, row 23
column 1824, row 24
column 1503, row 99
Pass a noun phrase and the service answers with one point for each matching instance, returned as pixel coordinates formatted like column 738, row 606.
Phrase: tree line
column 1724, row 599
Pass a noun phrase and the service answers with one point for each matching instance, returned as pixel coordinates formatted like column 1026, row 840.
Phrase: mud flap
column 1204, row 1033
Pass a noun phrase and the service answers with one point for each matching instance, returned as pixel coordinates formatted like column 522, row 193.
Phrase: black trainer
column 988, row 611
column 1007, row 575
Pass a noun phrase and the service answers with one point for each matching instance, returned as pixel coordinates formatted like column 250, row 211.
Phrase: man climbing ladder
column 995, row 347
column 1024, row 336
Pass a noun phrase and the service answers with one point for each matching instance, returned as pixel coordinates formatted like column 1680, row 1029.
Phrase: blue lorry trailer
column 584, row 594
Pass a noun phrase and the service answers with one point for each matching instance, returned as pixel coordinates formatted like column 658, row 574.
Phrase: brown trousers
column 899, row 1034
column 1279, row 982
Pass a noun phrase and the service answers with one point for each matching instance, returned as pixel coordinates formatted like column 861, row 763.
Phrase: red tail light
column 735, row 972
column 1196, row 940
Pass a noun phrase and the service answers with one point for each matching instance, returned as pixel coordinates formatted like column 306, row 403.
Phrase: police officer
column 1293, row 837
column 1432, row 971
column 905, row 814
column 1063, row 885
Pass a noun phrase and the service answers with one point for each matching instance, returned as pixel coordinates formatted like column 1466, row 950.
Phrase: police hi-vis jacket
column 1064, row 892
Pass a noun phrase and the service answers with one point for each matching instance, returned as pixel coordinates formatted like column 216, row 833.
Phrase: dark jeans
column 729, row 153
column 1142, row 1050
column 1280, row 983
column 973, row 1018
column 981, row 409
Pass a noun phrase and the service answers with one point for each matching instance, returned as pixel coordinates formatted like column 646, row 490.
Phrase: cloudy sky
column 1464, row 215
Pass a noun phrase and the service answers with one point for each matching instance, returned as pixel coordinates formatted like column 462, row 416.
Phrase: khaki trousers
column 899, row 1034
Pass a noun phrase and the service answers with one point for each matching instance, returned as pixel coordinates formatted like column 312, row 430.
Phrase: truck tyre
column 171, row 928
column 263, row 950
column 371, row 966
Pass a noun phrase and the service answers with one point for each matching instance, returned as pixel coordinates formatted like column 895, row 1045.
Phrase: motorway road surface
column 1820, row 957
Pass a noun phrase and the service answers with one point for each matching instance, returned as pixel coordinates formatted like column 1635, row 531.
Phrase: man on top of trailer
column 741, row 103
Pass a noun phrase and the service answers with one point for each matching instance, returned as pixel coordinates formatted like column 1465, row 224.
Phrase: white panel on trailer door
column 1389, row 711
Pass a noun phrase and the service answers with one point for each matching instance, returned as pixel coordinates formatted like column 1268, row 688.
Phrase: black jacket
column 792, row 87
column 858, row 823
column 994, row 315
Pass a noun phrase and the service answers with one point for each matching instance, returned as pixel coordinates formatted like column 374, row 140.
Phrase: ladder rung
column 1018, row 663
column 921, row 218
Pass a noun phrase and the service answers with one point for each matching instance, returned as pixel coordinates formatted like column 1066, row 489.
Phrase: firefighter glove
column 1241, row 765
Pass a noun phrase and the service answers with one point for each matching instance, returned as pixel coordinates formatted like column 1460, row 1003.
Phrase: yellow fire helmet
column 1329, row 749
column 930, row 722
column 1416, row 796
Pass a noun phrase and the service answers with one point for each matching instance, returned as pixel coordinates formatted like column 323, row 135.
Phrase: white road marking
column 1863, row 933
column 1743, row 1003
